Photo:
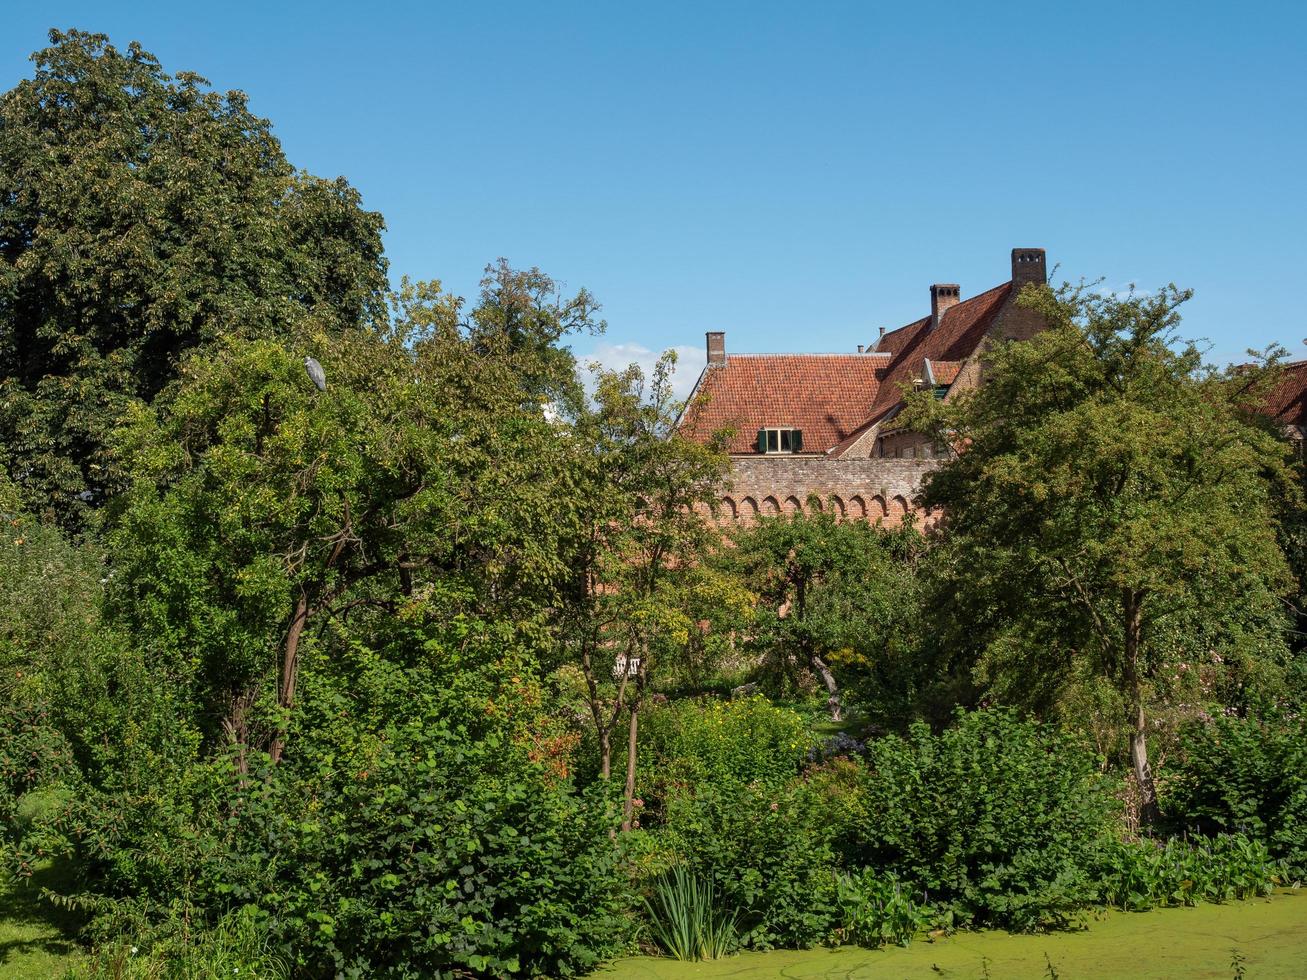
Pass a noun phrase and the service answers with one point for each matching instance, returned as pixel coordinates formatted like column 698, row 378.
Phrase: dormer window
column 780, row 441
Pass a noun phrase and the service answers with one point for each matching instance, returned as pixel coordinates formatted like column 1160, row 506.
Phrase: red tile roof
column 827, row 396
column 834, row 398
column 945, row 372
column 1287, row 401
column 955, row 339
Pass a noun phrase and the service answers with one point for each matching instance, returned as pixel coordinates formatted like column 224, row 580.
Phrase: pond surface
column 1269, row 934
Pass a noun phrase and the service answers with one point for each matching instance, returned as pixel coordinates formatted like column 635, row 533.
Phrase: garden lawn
column 34, row 943
column 1270, row 935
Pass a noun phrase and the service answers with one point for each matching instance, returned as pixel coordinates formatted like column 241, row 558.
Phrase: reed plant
column 685, row 920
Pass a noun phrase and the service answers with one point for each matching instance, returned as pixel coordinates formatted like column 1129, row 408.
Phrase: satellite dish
column 316, row 374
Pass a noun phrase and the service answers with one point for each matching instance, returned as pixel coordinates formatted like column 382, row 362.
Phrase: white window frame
column 784, row 439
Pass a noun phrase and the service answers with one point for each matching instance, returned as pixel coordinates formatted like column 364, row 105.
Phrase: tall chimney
column 942, row 296
column 716, row 347
column 1028, row 266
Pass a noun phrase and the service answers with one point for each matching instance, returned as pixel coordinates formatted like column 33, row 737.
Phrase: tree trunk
column 1148, row 811
column 628, row 803
column 289, row 672
column 605, row 754
column 597, row 711
column 814, row 660
column 236, row 726
column 832, row 689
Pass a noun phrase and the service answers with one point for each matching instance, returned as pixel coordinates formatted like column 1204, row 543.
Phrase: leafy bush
column 686, row 919
column 875, row 910
column 423, row 824
column 723, row 797
column 1243, row 775
column 714, row 742
column 91, row 750
column 1139, row 875
column 999, row 821
column 767, row 850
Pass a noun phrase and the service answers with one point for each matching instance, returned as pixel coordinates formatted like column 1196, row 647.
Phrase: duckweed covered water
column 1270, row 935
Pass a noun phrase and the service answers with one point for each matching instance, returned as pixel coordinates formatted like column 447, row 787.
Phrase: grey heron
column 316, row 374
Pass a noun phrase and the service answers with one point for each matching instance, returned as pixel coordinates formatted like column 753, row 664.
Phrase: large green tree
column 262, row 509
column 143, row 214
column 636, row 529
column 1109, row 513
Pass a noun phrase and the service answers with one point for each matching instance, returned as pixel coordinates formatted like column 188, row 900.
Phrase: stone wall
column 858, row 488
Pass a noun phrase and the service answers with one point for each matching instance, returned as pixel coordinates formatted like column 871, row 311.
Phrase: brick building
column 1286, row 403
column 815, row 430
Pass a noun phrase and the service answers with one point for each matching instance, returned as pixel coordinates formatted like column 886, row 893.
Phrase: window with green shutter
column 780, row 441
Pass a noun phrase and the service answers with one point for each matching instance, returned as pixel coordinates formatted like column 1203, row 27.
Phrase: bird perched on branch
column 316, row 374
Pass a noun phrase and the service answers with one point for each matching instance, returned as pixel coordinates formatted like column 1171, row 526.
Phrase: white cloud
column 615, row 357
column 1129, row 288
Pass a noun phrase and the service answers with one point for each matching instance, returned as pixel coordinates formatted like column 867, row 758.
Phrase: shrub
column 724, row 797
column 767, row 850
column 235, row 947
column 1139, row 875
column 1243, row 775
column 423, row 824
column 714, row 742
column 999, row 821
column 876, row 910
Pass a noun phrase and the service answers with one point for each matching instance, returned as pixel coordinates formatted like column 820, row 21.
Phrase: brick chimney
column 1028, row 266
column 716, row 347
column 942, row 296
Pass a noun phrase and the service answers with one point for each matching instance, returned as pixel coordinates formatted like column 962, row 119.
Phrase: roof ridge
column 926, row 318
column 780, row 353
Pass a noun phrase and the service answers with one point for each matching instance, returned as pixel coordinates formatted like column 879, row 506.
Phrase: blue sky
column 795, row 174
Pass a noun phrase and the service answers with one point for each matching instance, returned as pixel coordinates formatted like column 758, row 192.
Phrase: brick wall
column 876, row 489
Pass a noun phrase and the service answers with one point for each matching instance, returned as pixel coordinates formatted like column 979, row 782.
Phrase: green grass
column 34, row 938
column 1270, row 935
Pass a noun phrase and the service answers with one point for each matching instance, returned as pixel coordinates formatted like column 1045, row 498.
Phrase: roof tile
column 825, row 395
column 1287, row 401
column 834, row 397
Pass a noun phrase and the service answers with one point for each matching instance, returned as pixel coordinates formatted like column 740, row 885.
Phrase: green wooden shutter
column 762, row 440
column 796, row 440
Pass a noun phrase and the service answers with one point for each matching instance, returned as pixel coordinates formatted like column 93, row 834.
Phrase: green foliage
column 261, row 507
column 768, row 851
column 874, row 911
column 837, row 597
column 425, row 826
column 78, row 709
column 723, row 798
column 236, row 947
column 713, row 743
column 686, row 920
column 1246, row 776
column 143, row 215
column 1112, row 515
column 998, row 821
column 1144, row 874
